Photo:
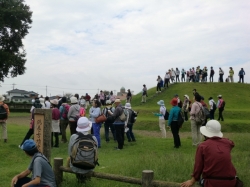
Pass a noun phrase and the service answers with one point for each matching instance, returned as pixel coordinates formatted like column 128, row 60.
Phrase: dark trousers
column 129, row 133
column 212, row 114
column 166, row 82
column 220, row 114
column 197, row 78
column 64, row 124
column 175, row 131
column 191, row 78
column 102, row 102
column 56, row 135
column 112, row 128
column 186, row 116
column 211, row 78
column 119, row 131
column 241, row 78
column 182, row 77
column 28, row 135
column 158, row 87
column 72, row 125
column 221, row 77
column 177, row 77
column 25, row 180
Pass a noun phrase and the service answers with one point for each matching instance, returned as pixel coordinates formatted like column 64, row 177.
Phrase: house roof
column 22, row 92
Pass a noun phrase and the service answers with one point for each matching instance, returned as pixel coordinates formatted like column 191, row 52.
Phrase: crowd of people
column 197, row 74
column 74, row 116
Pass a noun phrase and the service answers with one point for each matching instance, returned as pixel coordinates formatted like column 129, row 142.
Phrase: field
column 149, row 151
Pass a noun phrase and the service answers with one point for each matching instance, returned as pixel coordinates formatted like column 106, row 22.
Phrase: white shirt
column 47, row 104
column 167, row 76
column 211, row 104
column 162, row 111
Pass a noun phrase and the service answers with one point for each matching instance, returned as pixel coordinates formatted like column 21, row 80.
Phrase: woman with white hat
column 213, row 159
column 161, row 118
column 55, row 123
column 83, row 128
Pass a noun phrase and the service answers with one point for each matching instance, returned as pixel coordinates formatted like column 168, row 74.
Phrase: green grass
column 148, row 152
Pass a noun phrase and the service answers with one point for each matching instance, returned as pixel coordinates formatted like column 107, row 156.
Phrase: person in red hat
column 173, row 122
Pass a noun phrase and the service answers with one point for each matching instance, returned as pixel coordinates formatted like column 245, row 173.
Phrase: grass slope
column 236, row 96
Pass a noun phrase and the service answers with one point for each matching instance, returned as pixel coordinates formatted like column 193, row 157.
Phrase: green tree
column 15, row 20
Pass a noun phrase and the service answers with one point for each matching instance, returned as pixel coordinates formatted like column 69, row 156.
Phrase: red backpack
column 65, row 111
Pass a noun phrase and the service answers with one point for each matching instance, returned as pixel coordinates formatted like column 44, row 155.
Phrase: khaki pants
column 196, row 135
column 4, row 130
column 143, row 99
column 231, row 78
column 162, row 128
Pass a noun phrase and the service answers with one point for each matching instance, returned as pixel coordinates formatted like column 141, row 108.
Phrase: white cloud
column 109, row 44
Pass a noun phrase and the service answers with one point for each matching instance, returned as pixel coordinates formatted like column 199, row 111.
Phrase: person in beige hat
column 4, row 114
column 213, row 159
column 74, row 111
column 118, row 123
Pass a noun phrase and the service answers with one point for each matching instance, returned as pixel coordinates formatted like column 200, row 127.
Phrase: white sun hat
column 186, row 96
column 212, row 128
column 161, row 103
column 83, row 124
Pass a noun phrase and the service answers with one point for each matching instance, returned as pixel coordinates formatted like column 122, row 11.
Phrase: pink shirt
column 213, row 160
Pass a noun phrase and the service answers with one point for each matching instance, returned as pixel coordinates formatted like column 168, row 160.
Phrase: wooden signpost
column 42, row 130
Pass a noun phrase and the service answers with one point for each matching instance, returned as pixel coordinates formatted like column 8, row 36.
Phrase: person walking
column 195, row 122
column 102, row 97
column 198, row 72
column 172, row 75
column 220, row 106
column 158, row 87
column 212, row 107
column 221, row 73
column 30, row 132
column 94, row 112
column 129, row 124
column 162, row 122
column 4, row 114
column 144, row 93
column 241, row 75
column 47, row 103
column 129, row 96
column 74, row 111
column 118, row 124
column 213, row 159
column 211, row 78
column 231, row 74
column 166, row 79
column 87, row 98
column 173, row 122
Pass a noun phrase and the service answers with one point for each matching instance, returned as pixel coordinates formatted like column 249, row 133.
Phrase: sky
column 86, row 46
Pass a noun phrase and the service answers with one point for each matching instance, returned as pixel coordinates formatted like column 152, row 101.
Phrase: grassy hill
column 236, row 96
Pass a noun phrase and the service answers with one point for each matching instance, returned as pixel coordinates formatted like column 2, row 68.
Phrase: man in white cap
column 4, row 113
column 213, row 159
column 119, row 124
column 83, row 128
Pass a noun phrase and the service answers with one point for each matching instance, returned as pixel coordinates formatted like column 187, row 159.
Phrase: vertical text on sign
column 38, row 131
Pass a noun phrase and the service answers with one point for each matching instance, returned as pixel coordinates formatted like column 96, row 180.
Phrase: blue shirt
column 173, row 114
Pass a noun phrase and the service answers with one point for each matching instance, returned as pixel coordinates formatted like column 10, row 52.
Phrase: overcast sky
column 81, row 46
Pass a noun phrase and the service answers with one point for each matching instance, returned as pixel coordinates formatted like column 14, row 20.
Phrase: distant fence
column 145, row 181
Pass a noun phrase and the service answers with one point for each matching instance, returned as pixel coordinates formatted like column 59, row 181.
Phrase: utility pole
column 13, row 85
column 46, row 90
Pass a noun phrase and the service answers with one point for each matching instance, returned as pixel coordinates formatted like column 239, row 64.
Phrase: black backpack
column 166, row 115
column 3, row 113
column 110, row 118
column 180, row 119
column 132, row 116
column 214, row 106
